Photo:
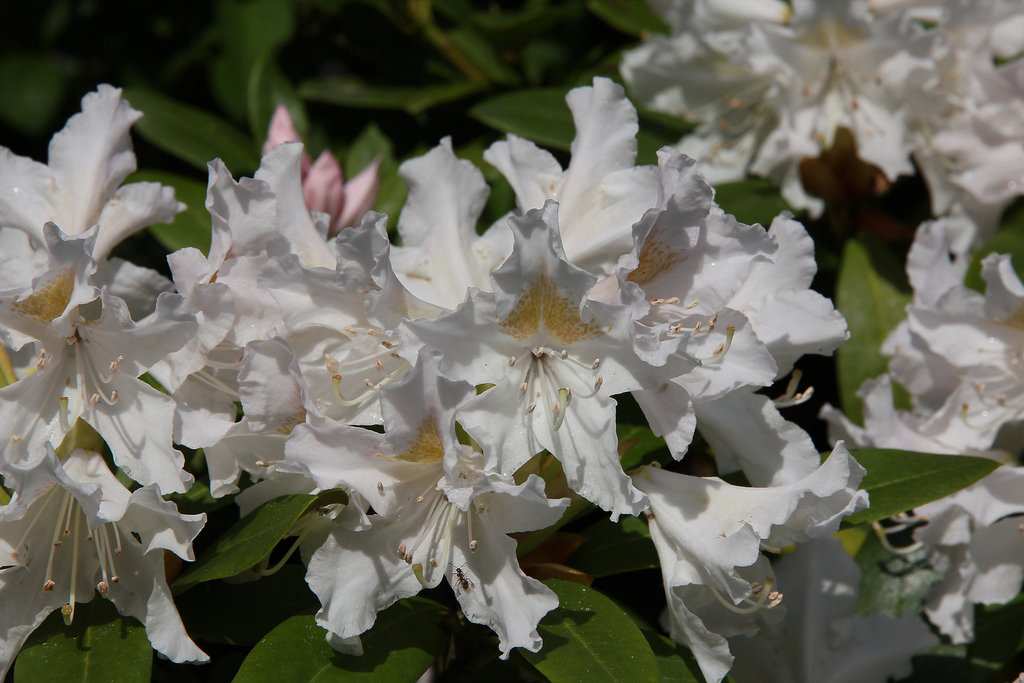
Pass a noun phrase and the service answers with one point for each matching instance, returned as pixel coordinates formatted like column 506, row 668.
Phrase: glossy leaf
column 191, row 227
column 614, row 548
column 99, row 645
column 675, row 662
column 539, row 114
column 402, row 644
column 898, row 481
column 589, row 638
column 633, row 17
column 350, row 92
column 192, row 135
column 248, row 541
column 872, row 294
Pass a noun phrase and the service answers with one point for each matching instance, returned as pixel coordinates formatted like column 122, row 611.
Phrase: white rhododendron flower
column 89, row 355
column 601, row 193
column 822, row 638
column 555, row 358
column 709, row 534
column 439, row 515
column 72, row 530
column 81, row 186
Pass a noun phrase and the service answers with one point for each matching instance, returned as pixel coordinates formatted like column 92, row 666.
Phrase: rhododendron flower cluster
column 448, row 398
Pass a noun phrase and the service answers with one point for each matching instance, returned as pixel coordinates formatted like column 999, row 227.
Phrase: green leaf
column 482, row 54
column 753, row 200
column 589, row 638
column 641, row 446
column 249, row 540
column 893, row 584
column 871, row 293
column 191, row 227
column 400, row 647
column 192, row 135
column 898, row 481
column 614, row 548
column 99, row 645
column 633, row 17
column 539, row 114
column 242, row 613
column 675, row 662
column 269, row 87
column 351, row 92
column 248, row 31
column 31, row 91
column 998, row 636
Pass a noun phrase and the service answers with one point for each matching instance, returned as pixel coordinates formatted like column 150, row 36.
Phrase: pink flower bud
column 360, row 194
column 282, row 130
column 323, row 186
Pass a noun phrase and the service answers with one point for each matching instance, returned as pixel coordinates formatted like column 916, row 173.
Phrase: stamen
column 69, row 614
column 55, row 541
column 765, row 598
column 790, row 398
column 722, row 349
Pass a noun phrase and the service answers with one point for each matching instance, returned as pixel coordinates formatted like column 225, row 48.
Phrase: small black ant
column 463, row 581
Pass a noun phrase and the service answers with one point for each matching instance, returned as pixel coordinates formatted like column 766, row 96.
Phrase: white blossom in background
column 769, row 94
column 709, row 536
column 81, row 185
column 821, row 639
column 72, row 530
column 958, row 354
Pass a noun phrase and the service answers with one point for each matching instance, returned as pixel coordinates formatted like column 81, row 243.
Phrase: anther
column 511, row 361
column 433, row 562
column 530, row 408
column 331, row 363
column 380, row 366
column 401, row 550
column 380, row 487
column 48, row 585
column 598, row 382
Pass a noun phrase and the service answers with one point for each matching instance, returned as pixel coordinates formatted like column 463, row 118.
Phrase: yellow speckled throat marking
column 541, row 303
column 427, row 447
column 655, row 258
column 50, row 300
